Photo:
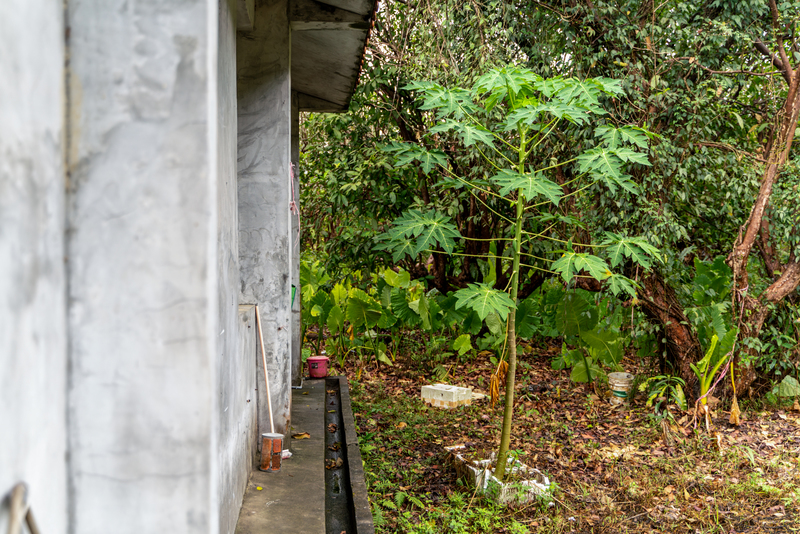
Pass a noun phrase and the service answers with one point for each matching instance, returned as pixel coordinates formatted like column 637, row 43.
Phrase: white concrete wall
column 143, row 266
column 297, row 330
column 33, row 364
column 238, row 420
column 236, row 348
column 265, row 246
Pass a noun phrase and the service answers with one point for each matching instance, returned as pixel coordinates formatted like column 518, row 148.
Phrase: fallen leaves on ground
column 617, row 468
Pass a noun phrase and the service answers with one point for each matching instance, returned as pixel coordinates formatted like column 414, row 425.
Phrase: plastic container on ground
column 318, row 366
column 620, row 386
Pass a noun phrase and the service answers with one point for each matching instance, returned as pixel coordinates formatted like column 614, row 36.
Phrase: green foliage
column 664, row 389
column 484, row 300
column 717, row 354
column 595, row 332
column 789, row 387
column 430, row 229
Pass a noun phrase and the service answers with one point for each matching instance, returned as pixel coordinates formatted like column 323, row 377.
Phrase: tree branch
column 774, row 59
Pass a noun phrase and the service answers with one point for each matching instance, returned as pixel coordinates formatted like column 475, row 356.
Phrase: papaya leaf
column 633, row 248
column 615, row 137
column 484, row 299
column 618, row 283
column 529, row 185
column 572, row 263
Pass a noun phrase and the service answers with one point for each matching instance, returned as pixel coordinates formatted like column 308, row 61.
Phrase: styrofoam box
column 446, row 396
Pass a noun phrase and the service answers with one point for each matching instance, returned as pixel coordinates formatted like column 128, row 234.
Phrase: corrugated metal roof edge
column 364, row 51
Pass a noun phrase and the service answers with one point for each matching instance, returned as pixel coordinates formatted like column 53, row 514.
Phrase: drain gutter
column 347, row 508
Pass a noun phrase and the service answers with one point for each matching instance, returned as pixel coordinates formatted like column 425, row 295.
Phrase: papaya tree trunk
column 511, row 330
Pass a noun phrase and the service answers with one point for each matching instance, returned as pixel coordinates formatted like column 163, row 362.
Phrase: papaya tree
column 511, row 117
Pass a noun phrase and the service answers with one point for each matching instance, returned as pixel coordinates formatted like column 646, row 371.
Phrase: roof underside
column 328, row 40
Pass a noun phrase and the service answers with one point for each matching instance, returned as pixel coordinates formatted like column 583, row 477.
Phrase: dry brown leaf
column 301, row 435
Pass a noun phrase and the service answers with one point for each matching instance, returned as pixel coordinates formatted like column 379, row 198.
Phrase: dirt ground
column 614, row 468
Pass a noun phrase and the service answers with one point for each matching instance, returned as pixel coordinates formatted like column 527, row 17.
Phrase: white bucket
column 620, row 385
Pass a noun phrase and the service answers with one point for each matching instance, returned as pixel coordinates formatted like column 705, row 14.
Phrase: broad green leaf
column 320, row 305
column 339, row 294
column 789, row 387
column 381, row 357
column 529, row 185
column 362, row 310
column 462, row 344
column 580, row 374
column 335, row 319
column 604, row 346
column 386, row 296
column 387, row 319
column 424, row 312
column 484, row 299
column 495, row 324
column 401, row 309
column 575, row 315
column 401, row 279
column 524, row 318
column 680, row 397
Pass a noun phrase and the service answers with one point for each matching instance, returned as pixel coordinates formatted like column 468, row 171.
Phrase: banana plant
column 508, row 119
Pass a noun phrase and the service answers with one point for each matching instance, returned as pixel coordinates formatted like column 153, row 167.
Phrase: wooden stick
column 264, row 361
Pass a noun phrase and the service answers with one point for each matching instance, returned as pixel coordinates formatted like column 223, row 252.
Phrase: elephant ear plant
column 510, row 121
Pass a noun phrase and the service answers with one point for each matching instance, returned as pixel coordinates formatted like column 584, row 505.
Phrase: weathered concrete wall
column 265, row 245
column 238, row 422
column 33, row 360
column 297, row 331
column 143, row 293
column 236, row 395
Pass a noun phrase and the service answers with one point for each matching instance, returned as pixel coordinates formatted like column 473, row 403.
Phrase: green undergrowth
column 612, row 468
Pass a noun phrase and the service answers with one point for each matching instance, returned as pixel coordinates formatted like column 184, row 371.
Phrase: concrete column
column 297, row 331
column 33, row 337
column 265, row 241
column 143, row 266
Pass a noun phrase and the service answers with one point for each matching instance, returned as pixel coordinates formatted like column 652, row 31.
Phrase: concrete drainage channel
column 347, row 508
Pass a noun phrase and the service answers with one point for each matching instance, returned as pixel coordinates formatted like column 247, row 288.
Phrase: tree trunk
column 660, row 304
column 754, row 310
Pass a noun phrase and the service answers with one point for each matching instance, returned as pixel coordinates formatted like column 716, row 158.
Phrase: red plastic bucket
column 318, row 366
